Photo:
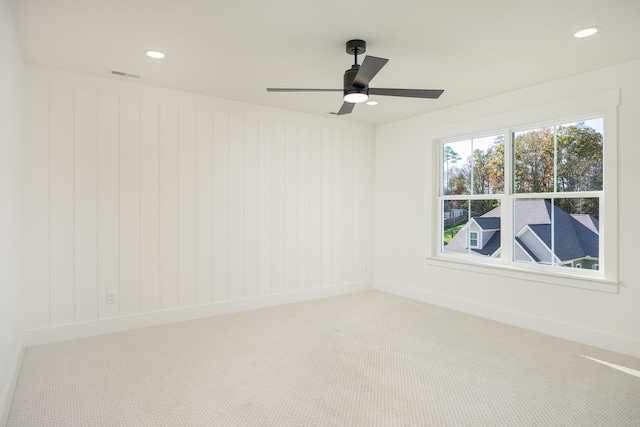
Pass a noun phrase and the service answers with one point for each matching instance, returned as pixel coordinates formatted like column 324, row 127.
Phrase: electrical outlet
column 366, row 267
column 112, row 296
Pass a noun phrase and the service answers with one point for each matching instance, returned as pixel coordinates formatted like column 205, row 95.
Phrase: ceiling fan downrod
column 356, row 47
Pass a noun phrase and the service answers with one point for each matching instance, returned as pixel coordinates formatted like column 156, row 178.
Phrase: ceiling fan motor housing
column 349, row 86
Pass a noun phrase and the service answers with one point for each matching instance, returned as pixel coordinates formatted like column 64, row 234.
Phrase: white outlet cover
column 112, row 296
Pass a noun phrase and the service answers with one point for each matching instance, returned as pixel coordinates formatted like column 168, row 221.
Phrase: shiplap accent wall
column 173, row 204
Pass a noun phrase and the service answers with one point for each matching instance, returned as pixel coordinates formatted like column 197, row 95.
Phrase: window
column 528, row 198
column 557, row 188
column 472, row 174
column 473, row 239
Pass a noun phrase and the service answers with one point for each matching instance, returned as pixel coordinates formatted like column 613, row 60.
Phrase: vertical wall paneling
column 264, row 207
column 357, row 208
column 337, row 224
column 86, row 205
column 204, row 206
column 278, row 207
column 129, row 205
column 169, row 207
column 149, row 205
column 367, row 198
column 236, row 206
column 172, row 205
column 327, row 207
column 303, row 207
column 315, row 206
column 36, row 187
column 187, row 205
column 61, row 186
column 108, row 202
column 220, row 206
column 347, row 207
column 250, row 206
column 291, row 207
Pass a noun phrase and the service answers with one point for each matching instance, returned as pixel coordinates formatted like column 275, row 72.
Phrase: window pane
column 580, row 156
column 488, row 165
column 561, row 232
column 456, row 167
column 479, row 161
column 479, row 236
column 577, row 232
column 532, row 231
column 455, row 214
column 561, row 158
column 533, row 160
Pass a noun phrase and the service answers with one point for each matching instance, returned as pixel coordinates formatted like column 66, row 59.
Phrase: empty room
column 289, row 213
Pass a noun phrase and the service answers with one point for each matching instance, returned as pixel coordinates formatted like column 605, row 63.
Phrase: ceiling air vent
column 125, row 74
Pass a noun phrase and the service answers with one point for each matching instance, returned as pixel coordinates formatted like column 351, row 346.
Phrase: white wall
column 404, row 173
column 177, row 200
column 11, row 296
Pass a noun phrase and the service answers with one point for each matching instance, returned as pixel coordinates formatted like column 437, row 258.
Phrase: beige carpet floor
column 367, row 359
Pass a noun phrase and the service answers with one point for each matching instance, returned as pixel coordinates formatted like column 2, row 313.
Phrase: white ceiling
column 236, row 48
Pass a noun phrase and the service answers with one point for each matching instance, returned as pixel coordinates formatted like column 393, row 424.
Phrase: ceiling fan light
column 356, row 97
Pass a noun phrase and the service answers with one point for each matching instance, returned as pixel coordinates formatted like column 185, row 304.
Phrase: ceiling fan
column 356, row 81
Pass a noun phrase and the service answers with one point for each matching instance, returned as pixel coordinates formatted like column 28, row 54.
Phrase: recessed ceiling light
column 372, row 103
column 155, row 54
column 586, row 32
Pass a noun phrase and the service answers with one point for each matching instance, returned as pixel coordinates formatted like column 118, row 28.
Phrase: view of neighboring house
column 576, row 242
column 454, row 213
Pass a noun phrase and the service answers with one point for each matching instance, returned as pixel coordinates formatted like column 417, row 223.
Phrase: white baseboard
column 618, row 344
column 143, row 320
column 7, row 393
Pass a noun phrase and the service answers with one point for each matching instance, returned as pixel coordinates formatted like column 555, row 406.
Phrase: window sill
column 515, row 272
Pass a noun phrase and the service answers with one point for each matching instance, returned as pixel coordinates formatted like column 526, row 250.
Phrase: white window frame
column 603, row 105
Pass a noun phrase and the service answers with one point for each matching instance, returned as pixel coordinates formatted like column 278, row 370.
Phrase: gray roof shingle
column 488, row 223
column 576, row 235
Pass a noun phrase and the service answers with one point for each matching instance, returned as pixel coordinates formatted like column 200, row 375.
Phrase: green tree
column 459, row 179
column 495, row 166
column 481, row 184
column 450, row 155
column 562, row 159
column 579, row 167
column 579, row 158
column 534, row 161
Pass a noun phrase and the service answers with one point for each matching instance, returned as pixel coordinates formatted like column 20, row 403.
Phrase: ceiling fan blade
column 286, row 89
column 369, row 68
column 347, row 108
column 407, row 93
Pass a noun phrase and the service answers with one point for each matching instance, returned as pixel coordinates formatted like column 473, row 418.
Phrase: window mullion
column 555, row 159
column 568, row 194
column 472, row 163
column 553, row 233
column 506, row 237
